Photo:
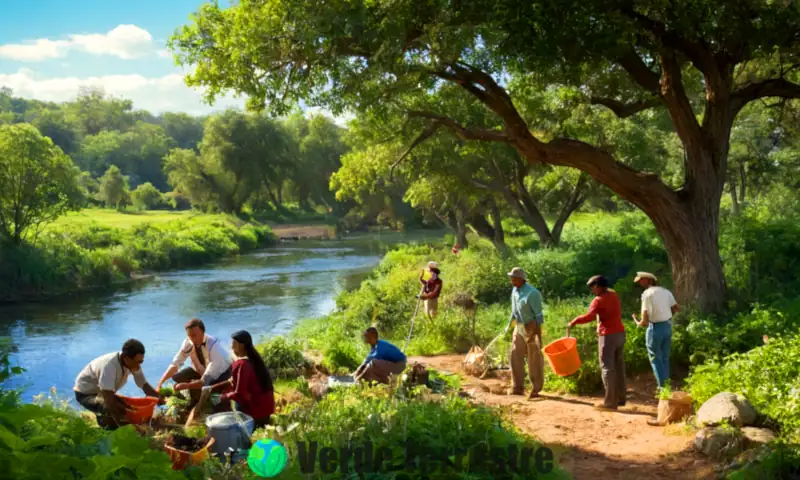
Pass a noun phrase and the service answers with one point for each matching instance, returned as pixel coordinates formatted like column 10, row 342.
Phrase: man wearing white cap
column 658, row 307
column 526, row 310
column 431, row 289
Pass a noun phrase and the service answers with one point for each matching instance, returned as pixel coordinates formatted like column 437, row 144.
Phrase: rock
column 719, row 443
column 736, row 409
column 758, row 436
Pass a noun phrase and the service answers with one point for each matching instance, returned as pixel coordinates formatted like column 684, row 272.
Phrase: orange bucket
column 143, row 409
column 563, row 355
column 182, row 459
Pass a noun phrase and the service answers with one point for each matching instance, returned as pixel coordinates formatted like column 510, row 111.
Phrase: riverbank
column 92, row 250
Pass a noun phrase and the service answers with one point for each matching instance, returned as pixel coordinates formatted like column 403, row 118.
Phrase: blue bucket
column 228, row 433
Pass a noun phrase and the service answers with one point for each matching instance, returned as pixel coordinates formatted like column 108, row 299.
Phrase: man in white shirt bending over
column 98, row 382
column 658, row 307
column 211, row 363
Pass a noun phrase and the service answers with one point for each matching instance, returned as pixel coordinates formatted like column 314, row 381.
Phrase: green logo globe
column 266, row 458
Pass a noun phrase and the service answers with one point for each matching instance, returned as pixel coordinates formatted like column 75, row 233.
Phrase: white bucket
column 228, row 430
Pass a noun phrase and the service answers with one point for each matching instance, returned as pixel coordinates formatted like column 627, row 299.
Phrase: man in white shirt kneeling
column 97, row 384
column 211, row 364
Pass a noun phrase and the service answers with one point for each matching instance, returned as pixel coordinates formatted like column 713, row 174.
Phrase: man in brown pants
column 526, row 310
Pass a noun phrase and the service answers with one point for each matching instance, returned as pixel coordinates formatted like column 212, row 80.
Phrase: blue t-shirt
column 384, row 350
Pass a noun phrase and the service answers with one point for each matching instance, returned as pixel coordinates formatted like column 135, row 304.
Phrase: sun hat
column 641, row 275
column 517, row 272
column 433, row 264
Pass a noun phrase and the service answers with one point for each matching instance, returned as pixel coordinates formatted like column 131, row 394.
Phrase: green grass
column 126, row 220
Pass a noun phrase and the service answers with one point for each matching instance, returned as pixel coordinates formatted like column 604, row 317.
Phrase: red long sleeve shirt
column 247, row 391
column 609, row 310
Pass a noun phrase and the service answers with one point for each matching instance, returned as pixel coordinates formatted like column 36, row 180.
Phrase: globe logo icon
column 267, row 458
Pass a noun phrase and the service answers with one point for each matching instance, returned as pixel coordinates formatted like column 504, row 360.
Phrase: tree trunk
column 499, row 238
column 742, row 181
column 734, row 198
column 691, row 238
column 574, row 202
column 527, row 210
column 461, row 229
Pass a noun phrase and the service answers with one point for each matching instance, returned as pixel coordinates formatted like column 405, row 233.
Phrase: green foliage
column 114, row 188
column 356, row 415
column 38, row 183
column 79, row 256
column 146, row 197
column 766, row 375
column 284, row 358
column 50, row 440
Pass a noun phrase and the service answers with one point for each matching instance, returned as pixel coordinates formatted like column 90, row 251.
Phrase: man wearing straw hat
column 526, row 310
column 658, row 307
column 431, row 289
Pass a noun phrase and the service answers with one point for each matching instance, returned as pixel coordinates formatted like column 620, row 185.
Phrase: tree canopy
column 38, row 182
column 700, row 62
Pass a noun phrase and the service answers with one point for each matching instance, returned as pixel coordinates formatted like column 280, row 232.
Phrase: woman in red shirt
column 607, row 308
column 431, row 289
column 250, row 383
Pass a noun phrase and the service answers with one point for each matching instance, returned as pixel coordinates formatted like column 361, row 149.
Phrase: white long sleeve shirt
column 217, row 358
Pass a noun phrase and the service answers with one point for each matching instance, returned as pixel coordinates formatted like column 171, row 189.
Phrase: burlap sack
column 678, row 407
column 476, row 363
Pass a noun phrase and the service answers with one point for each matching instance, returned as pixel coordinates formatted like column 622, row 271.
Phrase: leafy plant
column 665, row 392
column 284, row 358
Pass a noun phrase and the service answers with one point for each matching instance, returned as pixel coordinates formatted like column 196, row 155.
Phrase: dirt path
column 590, row 444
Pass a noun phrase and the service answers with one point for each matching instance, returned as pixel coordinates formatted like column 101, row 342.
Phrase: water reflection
column 266, row 292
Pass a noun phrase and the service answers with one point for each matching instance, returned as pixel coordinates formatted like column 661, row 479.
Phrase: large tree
column 38, row 182
column 626, row 55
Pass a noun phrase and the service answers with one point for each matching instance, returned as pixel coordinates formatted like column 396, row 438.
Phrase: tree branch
column 776, row 87
column 639, row 71
column 462, row 132
column 427, row 133
column 625, row 110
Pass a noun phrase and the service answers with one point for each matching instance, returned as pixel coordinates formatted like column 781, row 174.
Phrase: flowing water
column 266, row 293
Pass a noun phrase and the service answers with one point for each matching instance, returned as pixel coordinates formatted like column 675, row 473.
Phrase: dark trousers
column 96, row 404
column 611, row 349
column 190, row 375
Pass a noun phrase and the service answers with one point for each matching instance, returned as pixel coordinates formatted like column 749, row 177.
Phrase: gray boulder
column 736, row 409
column 758, row 436
column 719, row 443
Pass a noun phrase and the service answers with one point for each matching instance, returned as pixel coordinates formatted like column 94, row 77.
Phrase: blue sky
column 49, row 48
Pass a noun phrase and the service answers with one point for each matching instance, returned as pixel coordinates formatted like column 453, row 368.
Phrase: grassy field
column 114, row 218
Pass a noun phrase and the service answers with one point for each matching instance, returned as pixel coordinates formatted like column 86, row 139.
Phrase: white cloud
column 155, row 94
column 35, row 51
column 123, row 41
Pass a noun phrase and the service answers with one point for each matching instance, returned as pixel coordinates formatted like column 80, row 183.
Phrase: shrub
column 79, row 256
column 283, row 358
column 766, row 375
column 351, row 417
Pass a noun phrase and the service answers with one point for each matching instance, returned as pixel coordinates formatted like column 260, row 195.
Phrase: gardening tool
column 416, row 310
column 206, row 392
column 477, row 358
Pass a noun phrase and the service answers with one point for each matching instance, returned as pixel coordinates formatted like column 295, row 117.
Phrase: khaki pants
column 431, row 305
column 379, row 370
column 527, row 347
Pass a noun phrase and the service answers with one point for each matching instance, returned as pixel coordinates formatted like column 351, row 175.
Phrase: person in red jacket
column 607, row 308
column 250, row 385
column 431, row 289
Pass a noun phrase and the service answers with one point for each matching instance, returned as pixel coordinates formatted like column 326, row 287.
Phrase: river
column 266, row 293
